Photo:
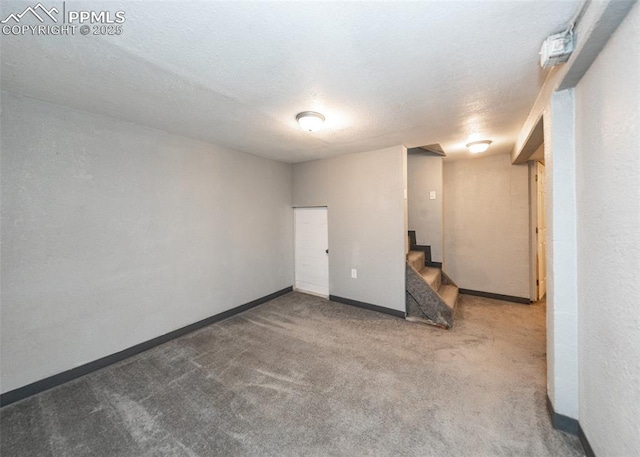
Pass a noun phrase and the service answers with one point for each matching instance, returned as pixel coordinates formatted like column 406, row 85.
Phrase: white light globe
column 478, row 146
column 310, row 121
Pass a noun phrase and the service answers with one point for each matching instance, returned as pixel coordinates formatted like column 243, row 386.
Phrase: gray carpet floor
column 301, row 376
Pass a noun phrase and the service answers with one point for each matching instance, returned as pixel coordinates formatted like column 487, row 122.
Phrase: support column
column 562, row 312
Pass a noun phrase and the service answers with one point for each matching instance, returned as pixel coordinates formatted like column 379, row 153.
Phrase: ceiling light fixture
column 476, row 147
column 310, row 120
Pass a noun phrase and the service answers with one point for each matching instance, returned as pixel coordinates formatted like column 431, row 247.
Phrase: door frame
column 541, row 209
column 326, row 208
column 533, row 236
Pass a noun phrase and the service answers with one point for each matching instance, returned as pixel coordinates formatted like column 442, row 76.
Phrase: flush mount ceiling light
column 476, row 147
column 310, row 120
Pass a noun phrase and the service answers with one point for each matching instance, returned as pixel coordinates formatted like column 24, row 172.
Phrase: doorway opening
column 538, row 225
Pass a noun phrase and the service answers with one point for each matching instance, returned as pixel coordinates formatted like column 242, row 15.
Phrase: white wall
column 486, row 225
column 364, row 194
column 608, row 244
column 426, row 215
column 113, row 234
column 562, row 308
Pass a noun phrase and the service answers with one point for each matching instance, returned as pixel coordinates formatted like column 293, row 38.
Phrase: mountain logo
column 34, row 10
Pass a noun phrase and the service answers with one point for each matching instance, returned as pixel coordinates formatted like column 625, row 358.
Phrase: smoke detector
column 556, row 49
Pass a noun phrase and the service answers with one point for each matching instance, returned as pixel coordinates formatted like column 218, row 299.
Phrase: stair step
column 424, row 303
column 433, row 276
column 449, row 294
column 416, row 259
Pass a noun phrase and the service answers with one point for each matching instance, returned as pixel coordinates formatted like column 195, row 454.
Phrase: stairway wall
column 426, row 215
column 486, row 225
column 364, row 193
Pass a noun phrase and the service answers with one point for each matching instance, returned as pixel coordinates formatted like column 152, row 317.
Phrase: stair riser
column 433, row 276
column 438, row 282
column 449, row 295
column 416, row 259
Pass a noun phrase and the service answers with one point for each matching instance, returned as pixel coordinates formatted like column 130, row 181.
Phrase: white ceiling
column 236, row 74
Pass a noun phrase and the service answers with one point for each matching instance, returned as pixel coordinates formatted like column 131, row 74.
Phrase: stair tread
column 430, row 274
column 449, row 294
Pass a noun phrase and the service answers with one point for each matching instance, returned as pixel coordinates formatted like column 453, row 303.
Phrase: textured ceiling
column 236, row 74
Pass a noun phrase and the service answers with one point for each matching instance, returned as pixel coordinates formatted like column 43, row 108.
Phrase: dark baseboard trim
column 569, row 425
column 561, row 422
column 495, row 296
column 588, row 450
column 424, row 248
column 369, row 306
column 434, row 264
column 53, row 381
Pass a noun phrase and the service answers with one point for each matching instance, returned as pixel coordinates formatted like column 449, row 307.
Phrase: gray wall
column 113, row 234
column 364, row 194
column 486, row 214
column 425, row 215
column 608, row 244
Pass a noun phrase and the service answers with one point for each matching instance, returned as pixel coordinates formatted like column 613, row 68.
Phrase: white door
column 541, row 231
column 311, row 251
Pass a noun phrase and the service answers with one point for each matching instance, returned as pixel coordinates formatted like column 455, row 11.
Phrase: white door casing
column 541, row 231
column 311, row 250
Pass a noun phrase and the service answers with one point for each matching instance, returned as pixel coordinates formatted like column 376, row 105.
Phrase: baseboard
column 569, row 425
column 369, row 306
column 510, row 298
column 424, row 248
column 53, row 381
column 308, row 292
column 561, row 422
column 412, row 237
column 588, row 450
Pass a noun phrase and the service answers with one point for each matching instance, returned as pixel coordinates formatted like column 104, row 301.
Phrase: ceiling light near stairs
column 476, row 147
column 310, row 120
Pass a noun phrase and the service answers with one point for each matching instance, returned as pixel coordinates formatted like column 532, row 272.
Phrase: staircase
column 431, row 294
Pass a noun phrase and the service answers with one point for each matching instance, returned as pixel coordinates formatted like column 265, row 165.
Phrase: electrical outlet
column 432, row 195
column 354, row 273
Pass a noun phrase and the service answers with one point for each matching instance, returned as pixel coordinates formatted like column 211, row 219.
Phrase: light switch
column 354, row 273
column 432, row 195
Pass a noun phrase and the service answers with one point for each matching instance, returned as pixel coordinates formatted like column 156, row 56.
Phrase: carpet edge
column 58, row 379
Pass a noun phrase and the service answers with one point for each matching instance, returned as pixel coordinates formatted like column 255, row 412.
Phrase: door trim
column 295, row 253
